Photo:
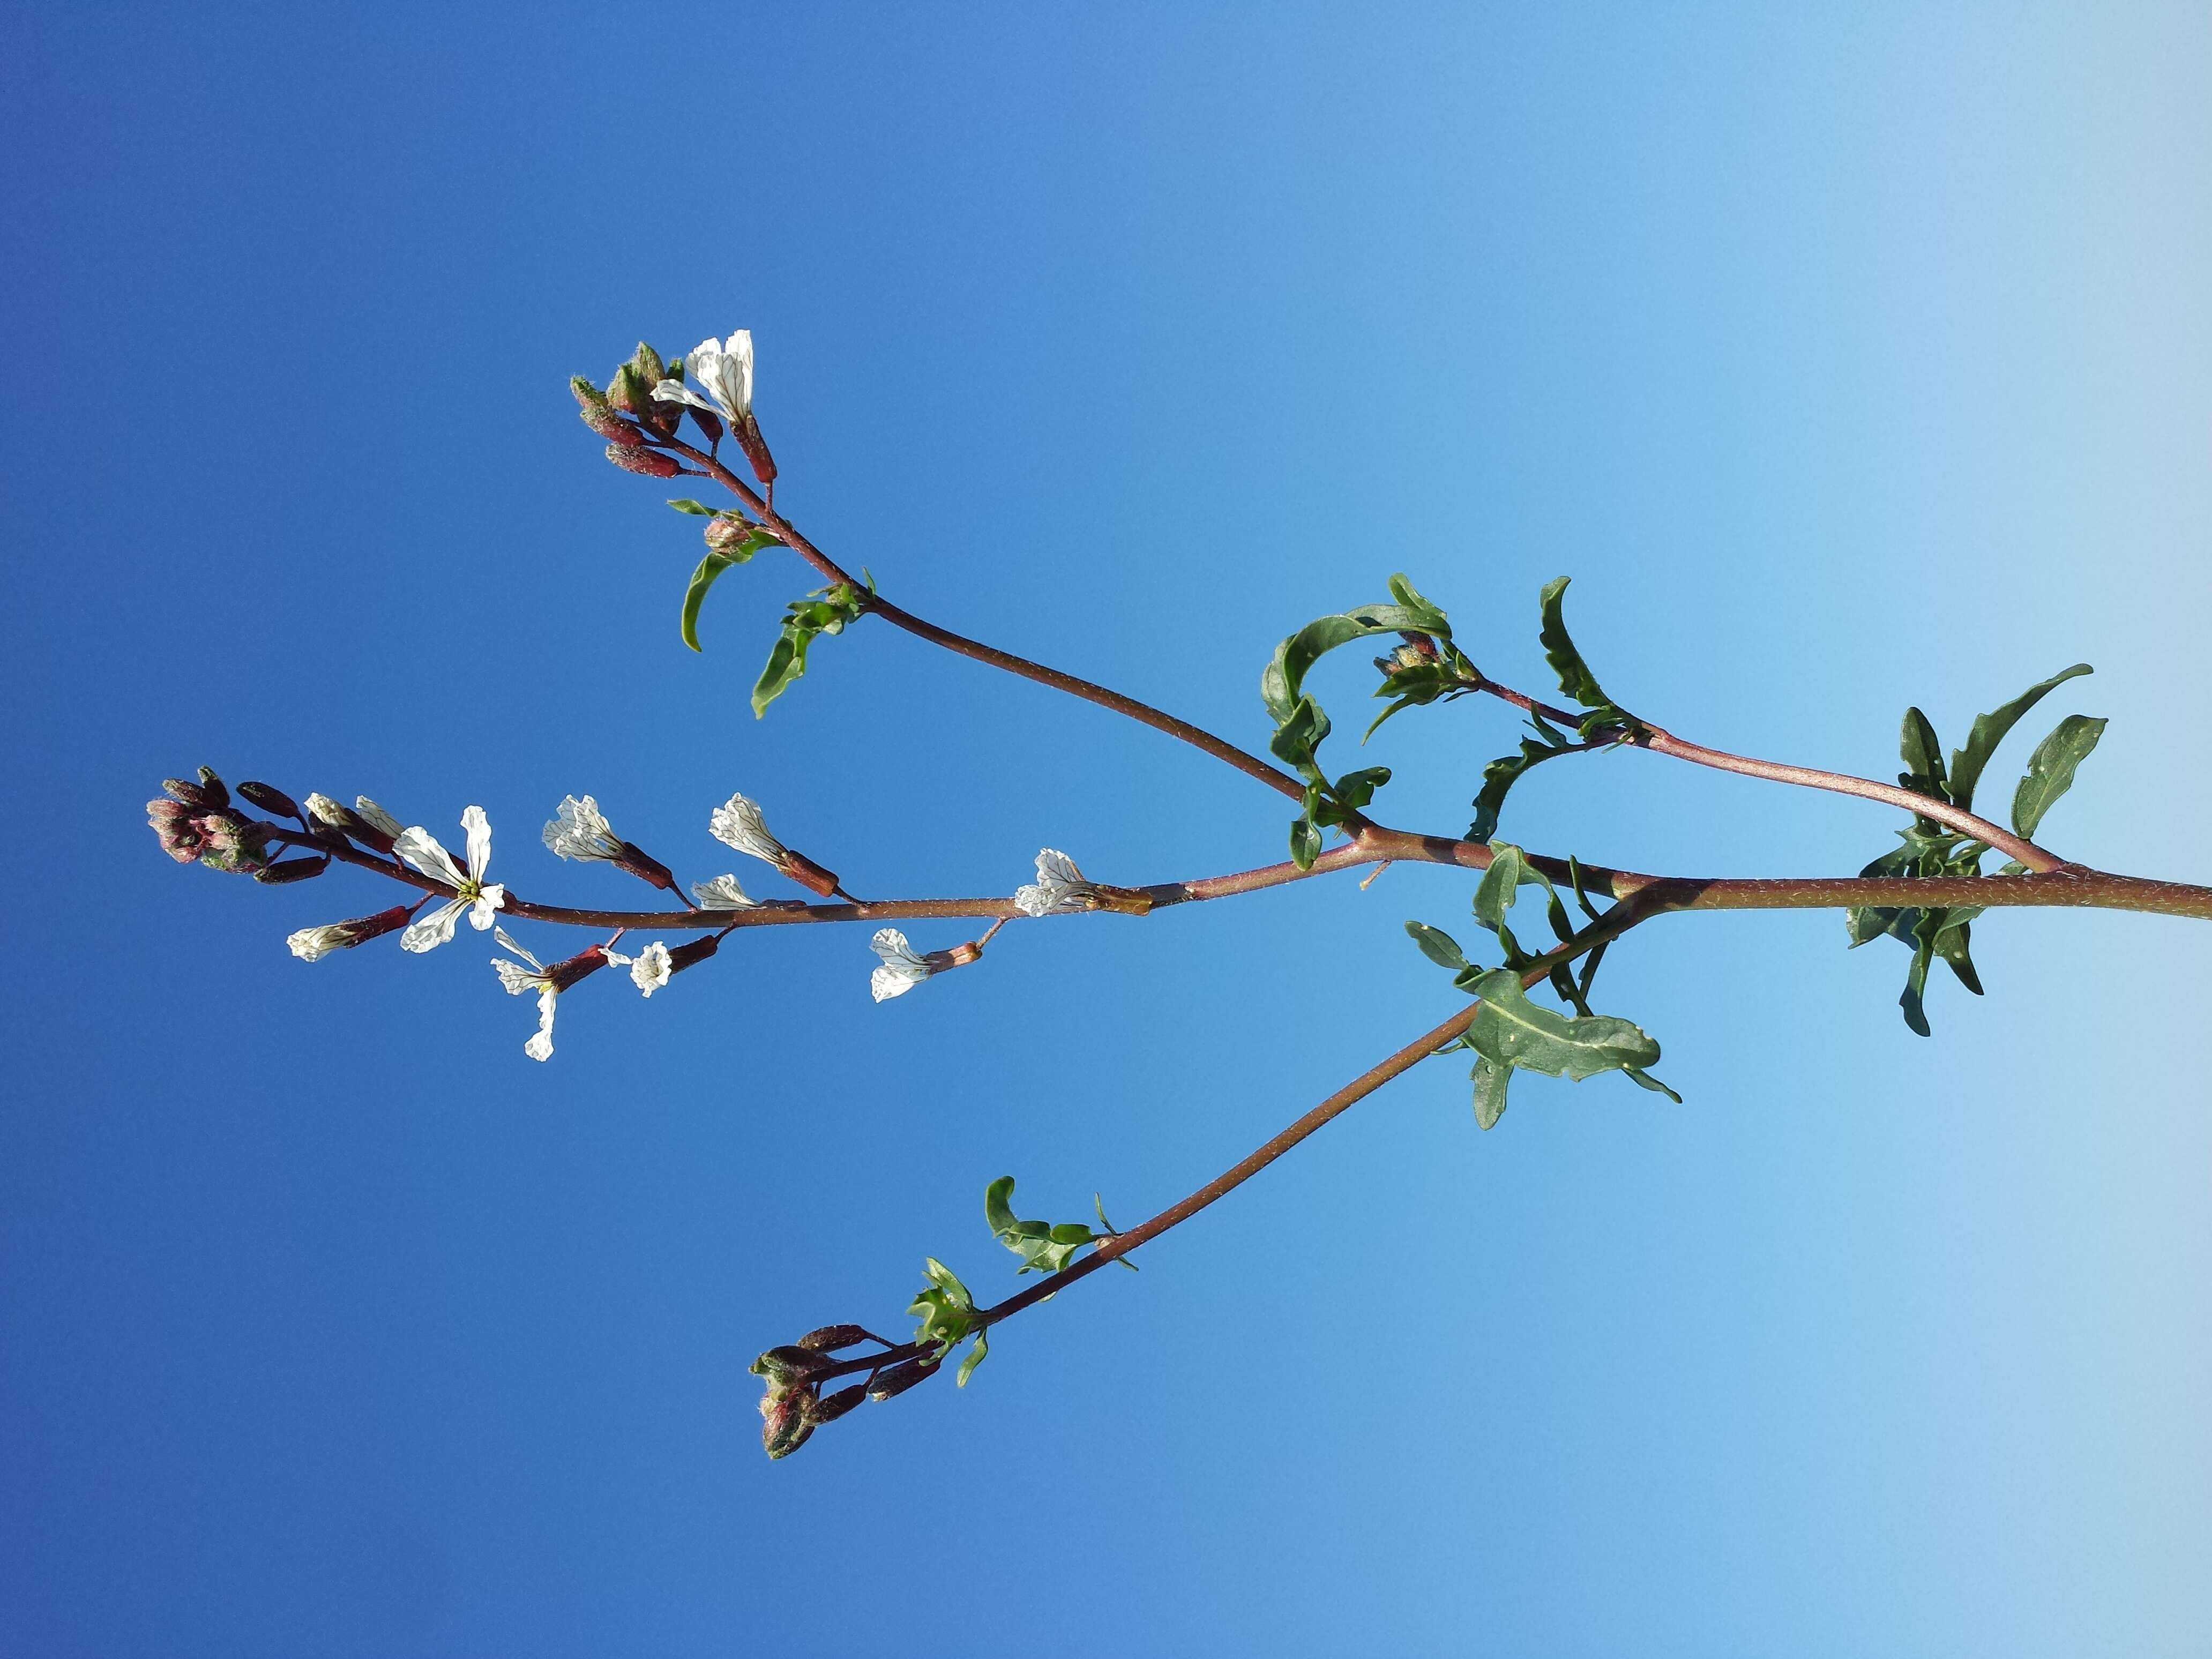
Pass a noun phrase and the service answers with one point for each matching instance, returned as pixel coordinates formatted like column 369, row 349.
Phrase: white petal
column 675, row 391
column 884, row 984
column 541, row 1046
column 479, row 829
column 738, row 351
column 378, row 818
column 507, row 940
column 313, row 943
column 580, row 831
column 722, row 893
column 738, row 823
column 1055, row 869
column 323, row 810
column 419, row 848
column 514, row 978
column 490, row 899
column 428, row 933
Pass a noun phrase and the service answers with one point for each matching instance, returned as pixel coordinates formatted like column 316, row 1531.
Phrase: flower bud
column 610, row 426
column 647, row 364
column 897, row 1379
column 786, row 1420
column 788, row 1364
column 202, row 794
column 807, row 873
column 291, row 870
column 587, row 395
column 707, row 422
column 313, row 943
column 827, row 1339
column 725, row 534
column 584, row 963
column 829, row 1410
column 269, row 799
column 627, row 393
column 173, row 824
column 651, row 463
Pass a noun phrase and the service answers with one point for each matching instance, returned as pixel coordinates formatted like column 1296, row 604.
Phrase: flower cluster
column 196, row 823
column 794, row 1405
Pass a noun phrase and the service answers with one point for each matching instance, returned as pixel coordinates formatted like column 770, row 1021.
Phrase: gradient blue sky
column 1847, row 357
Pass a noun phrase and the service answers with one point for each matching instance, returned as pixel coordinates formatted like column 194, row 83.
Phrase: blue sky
column 1847, row 359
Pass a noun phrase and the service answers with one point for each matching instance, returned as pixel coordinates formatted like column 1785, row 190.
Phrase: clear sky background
column 1847, row 357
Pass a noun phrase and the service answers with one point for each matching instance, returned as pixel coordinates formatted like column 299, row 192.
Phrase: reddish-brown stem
column 1660, row 741
column 1143, row 713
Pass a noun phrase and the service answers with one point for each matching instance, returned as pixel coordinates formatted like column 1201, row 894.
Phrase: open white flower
column 738, row 823
column 1060, row 887
column 419, row 848
column 722, row 893
column 724, row 372
column 903, row 967
column 528, row 974
column 652, row 969
column 580, row 830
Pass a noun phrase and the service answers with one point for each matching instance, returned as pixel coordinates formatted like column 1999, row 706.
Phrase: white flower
column 738, row 823
column 420, row 849
column 1060, row 889
column 903, row 967
column 652, row 969
column 313, row 943
column 722, row 893
column 323, row 810
column 581, row 832
column 376, row 816
column 517, row 979
column 724, row 370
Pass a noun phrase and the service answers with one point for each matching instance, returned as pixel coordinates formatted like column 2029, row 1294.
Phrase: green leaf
column 1510, row 1031
column 2051, row 770
column 1305, row 843
column 1989, row 729
column 685, row 504
column 786, row 661
column 709, row 571
column 1916, row 976
column 1644, row 1079
column 1437, row 945
column 1950, row 942
column 976, row 1356
column 1490, row 1081
column 1498, row 777
column 996, row 1209
column 946, row 1280
column 1923, row 756
column 1574, row 677
column 1356, row 789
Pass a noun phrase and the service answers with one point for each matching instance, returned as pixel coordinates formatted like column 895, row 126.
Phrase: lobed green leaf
column 2051, row 770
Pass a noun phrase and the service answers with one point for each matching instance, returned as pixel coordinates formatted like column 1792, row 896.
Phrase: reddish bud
column 651, row 462
column 755, row 448
column 827, row 1339
column 610, row 426
column 897, row 1379
column 291, row 870
column 645, row 867
column 582, row 965
column 829, row 1410
column 269, row 799
column 709, row 422
column 627, row 393
column 689, row 955
column 786, row 1419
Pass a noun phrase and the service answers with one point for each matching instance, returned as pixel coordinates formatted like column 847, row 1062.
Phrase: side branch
column 1250, row 765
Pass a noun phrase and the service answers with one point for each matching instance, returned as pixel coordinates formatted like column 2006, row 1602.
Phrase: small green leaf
column 1916, row 976
column 1574, row 677
column 1512, row 1031
column 997, row 1210
column 1988, row 731
column 1305, row 843
column 1490, row 1081
column 1437, row 945
column 1644, row 1079
column 1923, row 756
column 976, row 1355
column 709, row 571
column 1494, row 894
column 685, row 504
column 946, row 1280
column 2051, row 770
column 1498, row 777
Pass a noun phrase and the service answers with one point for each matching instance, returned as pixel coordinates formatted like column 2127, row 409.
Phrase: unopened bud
column 788, row 1364
column 651, row 462
column 827, row 1339
column 626, row 392
column 807, row 873
column 650, row 370
column 709, row 422
column 269, row 799
column 587, row 395
column 829, row 1410
column 725, row 534
column 291, row 870
column 610, row 426
column 786, row 1419
column 897, row 1379
column 198, row 794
